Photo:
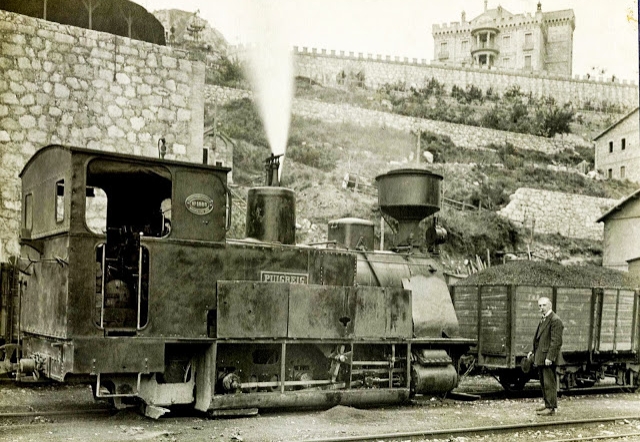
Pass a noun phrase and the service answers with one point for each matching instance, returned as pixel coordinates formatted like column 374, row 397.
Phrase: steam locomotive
column 127, row 281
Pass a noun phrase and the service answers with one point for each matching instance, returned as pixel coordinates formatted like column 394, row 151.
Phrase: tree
column 557, row 120
column 91, row 5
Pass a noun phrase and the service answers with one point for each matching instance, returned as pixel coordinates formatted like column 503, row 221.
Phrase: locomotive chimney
column 272, row 166
column 408, row 196
column 271, row 210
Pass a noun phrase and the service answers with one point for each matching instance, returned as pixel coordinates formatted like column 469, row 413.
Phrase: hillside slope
column 320, row 155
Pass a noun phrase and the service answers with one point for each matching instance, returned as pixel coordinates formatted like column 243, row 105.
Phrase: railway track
column 532, row 392
column 504, row 430
column 51, row 413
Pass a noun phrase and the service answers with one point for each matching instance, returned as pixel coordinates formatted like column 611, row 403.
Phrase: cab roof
column 122, row 156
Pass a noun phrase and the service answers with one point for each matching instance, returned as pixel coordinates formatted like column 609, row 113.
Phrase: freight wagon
column 601, row 331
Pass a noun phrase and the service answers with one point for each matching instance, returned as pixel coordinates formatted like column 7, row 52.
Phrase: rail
column 475, row 431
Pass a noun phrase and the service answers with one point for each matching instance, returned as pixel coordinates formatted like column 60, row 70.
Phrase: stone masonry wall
column 68, row 85
column 567, row 214
column 324, row 67
column 469, row 137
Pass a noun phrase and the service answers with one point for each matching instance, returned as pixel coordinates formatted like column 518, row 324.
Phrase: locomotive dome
column 111, row 16
column 548, row 274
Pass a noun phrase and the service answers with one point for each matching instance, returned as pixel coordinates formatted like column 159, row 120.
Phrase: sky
column 605, row 37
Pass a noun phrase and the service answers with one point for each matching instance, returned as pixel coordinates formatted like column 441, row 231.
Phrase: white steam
column 270, row 70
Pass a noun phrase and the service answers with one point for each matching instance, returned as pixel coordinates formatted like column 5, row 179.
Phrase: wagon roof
column 122, row 156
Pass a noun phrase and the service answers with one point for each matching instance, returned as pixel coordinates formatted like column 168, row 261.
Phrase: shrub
column 239, row 119
column 314, row 155
column 226, row 72
column 473, row 232
column 491, row 195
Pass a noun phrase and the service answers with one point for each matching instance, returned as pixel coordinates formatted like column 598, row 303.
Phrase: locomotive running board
column 310, row 399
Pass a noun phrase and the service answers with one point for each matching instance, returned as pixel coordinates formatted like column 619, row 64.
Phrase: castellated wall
column 469, row 137
column 567, row 214
column 324, row 67
column 73, row 86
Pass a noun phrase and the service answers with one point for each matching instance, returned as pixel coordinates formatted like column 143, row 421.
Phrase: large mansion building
column 497, row 39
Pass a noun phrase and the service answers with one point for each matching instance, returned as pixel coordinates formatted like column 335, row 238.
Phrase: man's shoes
column 547, row 412
column 541, row 408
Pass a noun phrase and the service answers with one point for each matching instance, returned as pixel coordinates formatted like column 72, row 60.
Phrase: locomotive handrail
column 104, row 275
column 229, row 208
column 139, row 286
column 373, row 270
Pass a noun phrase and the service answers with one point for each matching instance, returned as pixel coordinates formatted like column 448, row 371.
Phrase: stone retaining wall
column 469, row 137
column 567, row 214
column 65, row 85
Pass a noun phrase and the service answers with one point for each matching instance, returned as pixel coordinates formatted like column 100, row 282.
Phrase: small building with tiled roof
column 497, row 39
column 634, row 270
column 621, row 241
column 617, row 149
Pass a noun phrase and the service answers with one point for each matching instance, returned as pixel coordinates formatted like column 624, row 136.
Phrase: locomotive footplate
column 57, row 358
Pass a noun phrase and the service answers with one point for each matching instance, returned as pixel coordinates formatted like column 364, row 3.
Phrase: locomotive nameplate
column 199, row 204
column 286, row 277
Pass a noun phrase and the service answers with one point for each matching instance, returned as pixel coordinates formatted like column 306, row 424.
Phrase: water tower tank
column 409, row 196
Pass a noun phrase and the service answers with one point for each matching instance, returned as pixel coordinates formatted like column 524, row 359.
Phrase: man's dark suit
column 546, row 345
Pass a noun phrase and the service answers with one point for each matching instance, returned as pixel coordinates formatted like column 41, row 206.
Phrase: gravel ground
column 423, row 413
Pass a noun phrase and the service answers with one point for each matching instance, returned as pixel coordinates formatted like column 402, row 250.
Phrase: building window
column 465, row 46
column 506, row 42
column 60, row 201
column 444, row 53
column 623, row 144
column 623, row 172
column 610, row 173
column 527, row 62
column 610, row 146
column 528, row 40
column 506, row 62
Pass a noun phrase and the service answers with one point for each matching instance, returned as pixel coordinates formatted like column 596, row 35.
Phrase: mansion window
column 610, row 146
column 610, row 173
column 443, row 50
column 623, row 144
column 465, row 46
column 506, row 42
column 528, row 40
column 623, row 172
column 527, row 62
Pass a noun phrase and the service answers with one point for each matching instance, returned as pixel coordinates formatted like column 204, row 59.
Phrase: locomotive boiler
column 128, row 282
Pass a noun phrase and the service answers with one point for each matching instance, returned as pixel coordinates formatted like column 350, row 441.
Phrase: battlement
column 514, row 20
column 305, row 51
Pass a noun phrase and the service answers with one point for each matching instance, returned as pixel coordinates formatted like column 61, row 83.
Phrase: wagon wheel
column 511, row 381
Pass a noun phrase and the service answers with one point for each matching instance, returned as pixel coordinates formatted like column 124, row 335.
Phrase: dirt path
column 422, row 413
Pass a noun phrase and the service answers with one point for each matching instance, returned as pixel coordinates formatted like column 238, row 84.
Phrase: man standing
column 546, row 355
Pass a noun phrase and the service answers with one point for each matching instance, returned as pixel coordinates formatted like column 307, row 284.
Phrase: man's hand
column 530, row 355
column 548, row 362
